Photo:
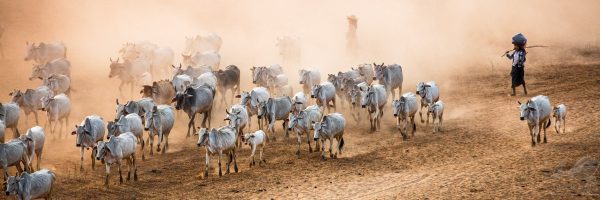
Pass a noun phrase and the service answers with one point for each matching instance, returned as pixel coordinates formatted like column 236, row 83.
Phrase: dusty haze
column 415, row 34
column 432, row 40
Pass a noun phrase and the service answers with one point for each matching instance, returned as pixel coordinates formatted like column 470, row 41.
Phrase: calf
column 437, row 112
column 117, row 149
column 560, row 113
column 255, row 139
column 218, row 141
column 330, row 127
column 537, row 112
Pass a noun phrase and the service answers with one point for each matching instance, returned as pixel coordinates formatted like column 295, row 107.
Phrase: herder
column 518, row 62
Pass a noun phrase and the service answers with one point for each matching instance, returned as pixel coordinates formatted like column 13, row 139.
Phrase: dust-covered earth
column 483, row 152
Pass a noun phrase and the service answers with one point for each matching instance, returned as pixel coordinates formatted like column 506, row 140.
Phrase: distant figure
column 1, row 46
column 518, row 62
column 351, row 41
column 289, row 50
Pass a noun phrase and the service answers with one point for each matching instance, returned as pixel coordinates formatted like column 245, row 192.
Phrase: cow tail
column 341, row 146
column 549, row 122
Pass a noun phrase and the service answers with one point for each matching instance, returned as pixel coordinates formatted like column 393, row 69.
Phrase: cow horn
column 227, row 111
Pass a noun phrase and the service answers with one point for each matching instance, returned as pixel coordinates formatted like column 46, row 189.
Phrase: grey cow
column 31, row 100
column 9, row 117
column 59, row 66
column 275, row 109
column 89, row 133
column 159, row 122
column 45, row 52
column 390, row 76
column 228, row 79
column 196, row 100
column 330, row 127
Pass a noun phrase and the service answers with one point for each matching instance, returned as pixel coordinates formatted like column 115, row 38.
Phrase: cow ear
column 88, row 125
column 238, row 96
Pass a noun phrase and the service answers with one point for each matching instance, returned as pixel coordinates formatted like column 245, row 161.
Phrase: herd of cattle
column 194, row 90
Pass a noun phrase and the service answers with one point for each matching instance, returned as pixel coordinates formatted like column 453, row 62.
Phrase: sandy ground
column 484, row 151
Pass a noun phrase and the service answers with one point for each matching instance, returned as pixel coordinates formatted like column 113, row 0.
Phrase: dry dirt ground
column 484, row 151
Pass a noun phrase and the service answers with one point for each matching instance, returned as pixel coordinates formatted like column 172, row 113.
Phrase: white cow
column 537, row 112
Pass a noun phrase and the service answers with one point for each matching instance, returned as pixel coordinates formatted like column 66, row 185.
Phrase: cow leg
column 299, row 142
column 39, row 159
column 191, row 124
column 107, row 174
column 94, row 152
column 151, row 140
column 557, row 125
column 441, row 121
column 206, row 164
column 135, row 177
column 539, row 132
column 129, row 164
column 322, row 149
column 220, row 155
column 81, row 163
column 564, row 124
column 532, row 135
column 253, row 150
column 120, row 174
column 204, row 119
column 286, row 130
column 545, row 140
column 121, row 90
column 235, row 167
column 308, row 142
column 331, row 148
column 261, row 160
column 143, row 143
column 421, row 115
column 166, row 144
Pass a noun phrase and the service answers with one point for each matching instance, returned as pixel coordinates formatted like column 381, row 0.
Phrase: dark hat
column 519, row 39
